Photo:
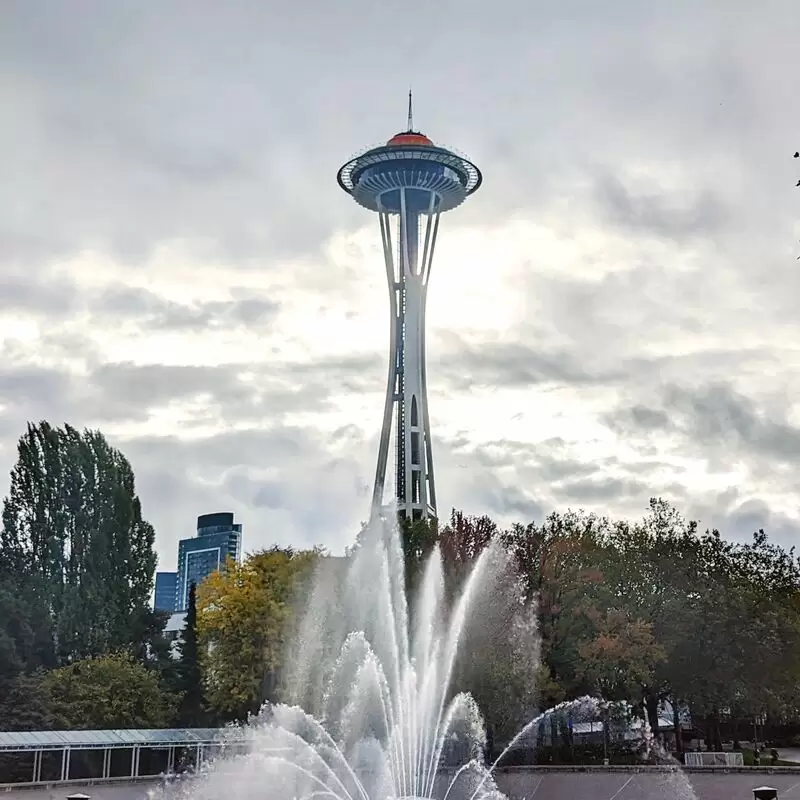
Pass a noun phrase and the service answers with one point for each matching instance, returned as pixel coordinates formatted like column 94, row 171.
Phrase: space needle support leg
column 431, row 231
column 386, row 428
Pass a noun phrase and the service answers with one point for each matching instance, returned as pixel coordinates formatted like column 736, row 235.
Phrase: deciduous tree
column 112, row 691
column 620, row 658
column 73, row 533
column 244, row 613
column 558, row 563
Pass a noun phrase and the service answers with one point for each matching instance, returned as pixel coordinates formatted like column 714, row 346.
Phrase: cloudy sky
column 614, row 315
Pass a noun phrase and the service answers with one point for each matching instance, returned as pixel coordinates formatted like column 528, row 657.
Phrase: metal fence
column 714, row 759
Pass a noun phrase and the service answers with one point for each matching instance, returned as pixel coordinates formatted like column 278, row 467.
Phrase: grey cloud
column 233, row 127
column 511, row 500
column 269, row 494
column 637, row 419
column 26, row 383
column 30, row 393
column 602, row 489
column 121, row 154
column 58, row 299
column 284, row 483
column 712, row 417
column 739, row 518
column 656, row 211
column 34, row 393
column 42, row 295
column 718, row 416
column 153, row 385
column 649, row 418
column 500, row 499
column 125, row 392
column 719, row 412
column 550, row 458
column 157, row 312
column 577, row 338
column 512, row 364
column 270, row 392
column 525, row 480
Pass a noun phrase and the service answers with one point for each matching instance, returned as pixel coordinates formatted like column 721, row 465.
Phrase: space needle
column 409, row 182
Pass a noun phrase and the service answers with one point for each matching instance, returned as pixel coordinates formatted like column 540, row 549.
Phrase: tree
column 743, row 664
column 461, row 542
column 558, row 564
column 499, row 653
column 649, row 577
column 191, row 713
column 73, row 533
column 24, row 630
column 619, row 660
column 25, row 704
column 500, row 643
column 769, row 580
column 149, row 644
column 243, row 619
column 696, row 619
column 418, row 538
column 112, row 691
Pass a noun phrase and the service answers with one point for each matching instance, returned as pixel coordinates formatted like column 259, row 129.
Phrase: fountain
column 377, row 674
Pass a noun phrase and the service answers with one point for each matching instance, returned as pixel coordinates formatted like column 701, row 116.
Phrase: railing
column 714, row 759
column 64, row 757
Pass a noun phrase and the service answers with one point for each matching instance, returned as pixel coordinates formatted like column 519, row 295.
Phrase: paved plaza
column 645, row 786
column 535, row 785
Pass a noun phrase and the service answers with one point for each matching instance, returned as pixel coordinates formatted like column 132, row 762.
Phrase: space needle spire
column 408, row 182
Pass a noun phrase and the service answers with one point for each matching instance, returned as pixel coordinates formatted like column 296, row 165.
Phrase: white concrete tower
column 409, row 182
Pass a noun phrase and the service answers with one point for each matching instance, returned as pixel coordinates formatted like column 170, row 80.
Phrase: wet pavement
column 535, row 785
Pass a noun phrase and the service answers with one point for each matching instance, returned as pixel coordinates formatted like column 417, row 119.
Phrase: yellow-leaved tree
column 244, row 616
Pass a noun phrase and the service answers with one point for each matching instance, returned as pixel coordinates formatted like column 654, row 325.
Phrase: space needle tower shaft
column 409, row 183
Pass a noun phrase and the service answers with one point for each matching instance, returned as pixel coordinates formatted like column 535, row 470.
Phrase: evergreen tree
column 192, row 708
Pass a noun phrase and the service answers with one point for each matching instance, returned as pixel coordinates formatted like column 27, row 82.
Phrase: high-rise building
column 409, row 182
column 218, row 539
column 166, row 590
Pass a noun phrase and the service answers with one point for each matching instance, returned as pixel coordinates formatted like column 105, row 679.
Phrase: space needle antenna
column 410, row 113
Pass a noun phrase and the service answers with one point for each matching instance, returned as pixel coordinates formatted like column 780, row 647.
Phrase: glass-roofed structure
column 47, row 757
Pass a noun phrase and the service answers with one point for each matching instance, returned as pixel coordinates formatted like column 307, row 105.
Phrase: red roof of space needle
column 409, row 139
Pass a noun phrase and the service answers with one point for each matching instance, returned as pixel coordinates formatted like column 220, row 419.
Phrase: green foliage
column 461, row 542
column 642, row 611
column 576, row 603
column 25, row 704
column 244, row 615
column 557, row 562
column 418, row 538
column 25, row 642
column 112, row 691
column 192, row 711
column 500, row 640
column 73, row 536
column 620, row 658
